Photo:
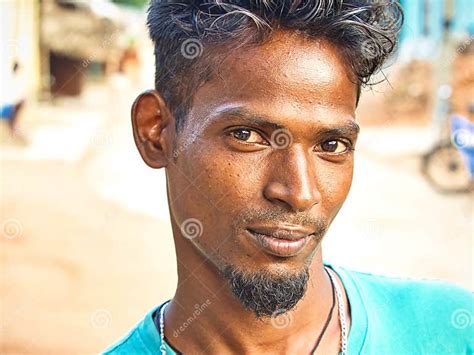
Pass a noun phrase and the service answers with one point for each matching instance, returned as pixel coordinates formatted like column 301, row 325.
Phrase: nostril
column 282, row 203
column 291, row 199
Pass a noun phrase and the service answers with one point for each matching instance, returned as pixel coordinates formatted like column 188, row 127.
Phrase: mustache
column 247, row 216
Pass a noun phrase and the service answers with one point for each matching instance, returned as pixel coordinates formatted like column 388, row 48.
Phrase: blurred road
column 87, row 247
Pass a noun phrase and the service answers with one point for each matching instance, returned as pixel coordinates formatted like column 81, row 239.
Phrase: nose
column 293, row 183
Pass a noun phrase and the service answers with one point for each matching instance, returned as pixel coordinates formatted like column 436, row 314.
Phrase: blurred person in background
column 13, row 98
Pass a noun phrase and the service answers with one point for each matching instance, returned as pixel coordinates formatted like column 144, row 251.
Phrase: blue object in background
column 425, row 18
column 463, row 139
column 6, row 112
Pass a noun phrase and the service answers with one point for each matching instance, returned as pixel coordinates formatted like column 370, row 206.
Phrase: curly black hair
column 191, row 35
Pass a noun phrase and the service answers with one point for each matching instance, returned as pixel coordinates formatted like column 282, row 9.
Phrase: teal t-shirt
column 388, row 316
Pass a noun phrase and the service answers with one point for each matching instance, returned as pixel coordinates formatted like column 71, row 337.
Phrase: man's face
column 266, row 148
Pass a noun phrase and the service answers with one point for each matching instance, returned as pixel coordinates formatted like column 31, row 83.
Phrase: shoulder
column 129, row 344
column 141, row 339
column 409, row 291
column 433, row 311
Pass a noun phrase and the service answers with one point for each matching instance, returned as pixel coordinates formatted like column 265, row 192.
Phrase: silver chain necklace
column 340, row 304
column 342, row 315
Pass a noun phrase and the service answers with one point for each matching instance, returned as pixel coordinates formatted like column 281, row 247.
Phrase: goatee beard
column 265, row 294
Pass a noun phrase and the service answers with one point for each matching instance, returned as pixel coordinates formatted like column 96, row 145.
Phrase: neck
column 205, row 316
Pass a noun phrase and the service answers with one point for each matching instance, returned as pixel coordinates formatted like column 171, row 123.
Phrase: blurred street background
column 85, row 241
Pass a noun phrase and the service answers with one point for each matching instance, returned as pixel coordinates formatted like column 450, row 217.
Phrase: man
column 12, row 102
column 253, row 118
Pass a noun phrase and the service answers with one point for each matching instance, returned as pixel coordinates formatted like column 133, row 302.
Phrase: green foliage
column 135, row 3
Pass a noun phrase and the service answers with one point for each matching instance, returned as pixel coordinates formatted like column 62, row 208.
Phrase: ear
column 153, row 128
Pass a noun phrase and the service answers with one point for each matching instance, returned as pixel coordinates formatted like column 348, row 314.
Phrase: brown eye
column 241, row 134
column 334, row 146
column 248, row 136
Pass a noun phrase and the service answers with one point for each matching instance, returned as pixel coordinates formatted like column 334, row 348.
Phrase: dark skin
column 227, row 168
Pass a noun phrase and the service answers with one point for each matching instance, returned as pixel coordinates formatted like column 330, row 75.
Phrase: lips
column 285, row 242
column 287, row 232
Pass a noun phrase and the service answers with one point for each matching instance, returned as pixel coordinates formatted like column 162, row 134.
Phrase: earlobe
column 151, row 123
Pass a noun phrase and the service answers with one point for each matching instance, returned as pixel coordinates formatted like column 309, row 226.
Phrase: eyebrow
column 349, row 127
column 249, row 117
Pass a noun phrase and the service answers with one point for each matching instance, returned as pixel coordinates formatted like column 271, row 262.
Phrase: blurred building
column 57, row 43
column 19, row 36
column 78, row 35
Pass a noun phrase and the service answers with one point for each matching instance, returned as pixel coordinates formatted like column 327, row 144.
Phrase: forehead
column 289, row 75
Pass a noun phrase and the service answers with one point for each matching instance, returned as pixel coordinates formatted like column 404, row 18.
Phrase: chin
column 270, row 291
